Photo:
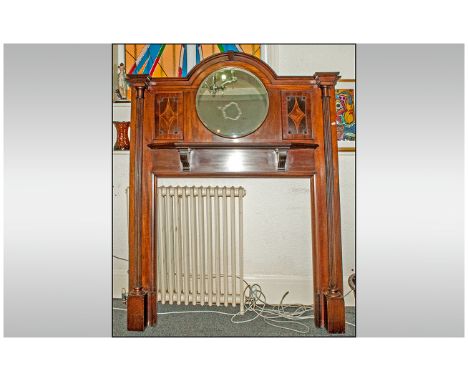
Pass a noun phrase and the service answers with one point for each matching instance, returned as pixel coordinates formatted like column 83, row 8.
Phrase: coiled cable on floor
column 273, row 315
column 283, row 316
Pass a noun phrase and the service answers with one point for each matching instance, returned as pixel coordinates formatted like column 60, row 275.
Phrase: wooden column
column 334, row 312
column 137, row 303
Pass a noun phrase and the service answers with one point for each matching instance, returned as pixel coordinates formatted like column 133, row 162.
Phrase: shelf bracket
column 184, row 154
column 282, row 156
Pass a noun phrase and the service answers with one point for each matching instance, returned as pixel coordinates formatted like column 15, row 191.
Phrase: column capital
column 326, row 79
column 138, row 80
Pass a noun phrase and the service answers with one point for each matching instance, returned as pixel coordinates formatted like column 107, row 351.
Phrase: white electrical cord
column 256, row 303
column 273, row 315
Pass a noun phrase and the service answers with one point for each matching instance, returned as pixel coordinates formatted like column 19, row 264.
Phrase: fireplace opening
column 260, row 236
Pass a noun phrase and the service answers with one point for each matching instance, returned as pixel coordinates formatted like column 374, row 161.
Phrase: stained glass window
column 170, row 63
column 171, row 60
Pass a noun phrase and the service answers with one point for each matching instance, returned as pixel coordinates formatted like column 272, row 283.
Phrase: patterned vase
column 122, row 142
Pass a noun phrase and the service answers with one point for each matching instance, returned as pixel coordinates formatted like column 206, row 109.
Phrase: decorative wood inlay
column 169, row 140
column 296, row 117
column 169, row 116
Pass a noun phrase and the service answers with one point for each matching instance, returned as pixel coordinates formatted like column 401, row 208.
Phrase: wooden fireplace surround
column 169, row 140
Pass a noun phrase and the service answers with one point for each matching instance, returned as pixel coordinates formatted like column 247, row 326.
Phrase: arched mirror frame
column 297, row 139
column 220, row 106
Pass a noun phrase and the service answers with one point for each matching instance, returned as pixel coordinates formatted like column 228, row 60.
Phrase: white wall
column 120, row 175
column 277, row 233
column 297, row 60
column 277, row 248
column 348, row 205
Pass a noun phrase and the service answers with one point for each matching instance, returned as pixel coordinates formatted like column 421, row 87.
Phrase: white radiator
column 200, row 245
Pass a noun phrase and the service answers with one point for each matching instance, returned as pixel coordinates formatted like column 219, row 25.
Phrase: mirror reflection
column 232, row 102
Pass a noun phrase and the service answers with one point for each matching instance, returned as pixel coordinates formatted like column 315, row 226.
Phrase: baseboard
column 300, row 289
column 273, row 286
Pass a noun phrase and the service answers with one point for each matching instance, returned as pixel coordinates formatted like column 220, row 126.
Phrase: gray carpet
column 214, row 325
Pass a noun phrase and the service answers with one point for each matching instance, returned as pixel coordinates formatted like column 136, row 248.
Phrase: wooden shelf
column 281, row 149
column 233, row 145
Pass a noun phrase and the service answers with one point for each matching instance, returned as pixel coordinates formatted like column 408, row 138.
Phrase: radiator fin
column 200, row 245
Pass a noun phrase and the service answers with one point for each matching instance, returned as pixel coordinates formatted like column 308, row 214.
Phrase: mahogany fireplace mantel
column 172, row 141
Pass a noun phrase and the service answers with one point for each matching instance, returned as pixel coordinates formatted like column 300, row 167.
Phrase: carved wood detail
column 295, row 140
column 296, row 115
column 169, row 116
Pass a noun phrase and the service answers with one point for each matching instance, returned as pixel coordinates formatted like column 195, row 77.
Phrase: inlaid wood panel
column 296, row 115
column 169, row 113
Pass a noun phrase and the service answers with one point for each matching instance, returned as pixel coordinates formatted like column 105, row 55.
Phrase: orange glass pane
column 210, row 49
column 168, row 65
column 253, row 49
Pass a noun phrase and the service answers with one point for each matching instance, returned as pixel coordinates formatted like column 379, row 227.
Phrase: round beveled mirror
column 232, row 102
